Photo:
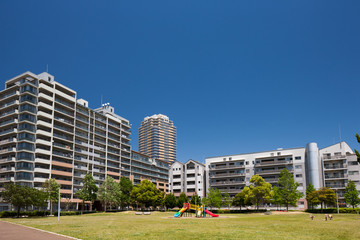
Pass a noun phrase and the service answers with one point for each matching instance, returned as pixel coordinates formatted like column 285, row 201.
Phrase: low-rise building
column 188, row 178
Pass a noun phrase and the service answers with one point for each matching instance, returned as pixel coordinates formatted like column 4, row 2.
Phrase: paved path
column 9, row 231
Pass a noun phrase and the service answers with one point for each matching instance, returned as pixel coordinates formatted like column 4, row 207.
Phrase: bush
column 36, row 213
column 334, row 210
column 221, row 211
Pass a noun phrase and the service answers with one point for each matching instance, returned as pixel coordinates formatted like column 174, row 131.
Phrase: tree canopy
column 170, row 201
column 213, row 198
column 351, row 194
column 51, row 187
column 109, row 192
column 311, row 196
column 146, row 194
column 89, row 190
column 195, row 199
column 239, row 200
column 181, row 200
column 287, row 189
column 126, row 187
column 326, row 196
column 260, row 191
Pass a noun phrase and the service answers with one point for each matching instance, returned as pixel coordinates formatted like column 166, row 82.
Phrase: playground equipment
column 200, row 211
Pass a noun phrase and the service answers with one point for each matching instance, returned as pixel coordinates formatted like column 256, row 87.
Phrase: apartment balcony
column 335, row 186
column 8, row 150
column 9, row 113
column 61, row 164
column 45, row 124
column 333, row 158
column 46, row 87
column 9, row 95
column 65, row 112
column 336, row 177
column 40, row 179
column 272, row 180
column 65, row 191
column 45, row 96
column 64, row 95
column 227, row 167
column 7, row 169
column 225, row 183
column 44, row 114
column 64, row 182
column 64, row 129
column 43, row 142
column 61, row 173
column 42, row 160
column 7, row 160
column 273, row 163
column 271, row 172
column 64, row 121
column 7, row 179
column 113, row 173
column 9, row 104
column 42, row 132
column 125, row 143
column 42, row 170
column 63, row 137
column 45, row 105
column 335, row 167
column 222, row 175
column 9, row 122
column 8, row 132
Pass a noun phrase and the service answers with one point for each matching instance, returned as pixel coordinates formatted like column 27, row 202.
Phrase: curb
column 61, row 235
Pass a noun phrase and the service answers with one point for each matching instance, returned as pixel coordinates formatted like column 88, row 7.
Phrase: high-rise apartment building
column 329, row 167
column 47, row 132
column 157, row 138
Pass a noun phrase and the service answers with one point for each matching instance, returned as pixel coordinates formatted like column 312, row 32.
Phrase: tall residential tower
column 157, row 138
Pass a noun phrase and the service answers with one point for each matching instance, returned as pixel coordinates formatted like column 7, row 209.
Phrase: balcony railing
column 227, row 183
column 334, row 157
column 276, row 162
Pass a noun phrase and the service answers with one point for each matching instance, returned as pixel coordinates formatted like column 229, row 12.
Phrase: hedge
column 334, row 210
column 8, row 214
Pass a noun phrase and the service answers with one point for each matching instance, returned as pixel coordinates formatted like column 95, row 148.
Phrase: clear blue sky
column 234, row 76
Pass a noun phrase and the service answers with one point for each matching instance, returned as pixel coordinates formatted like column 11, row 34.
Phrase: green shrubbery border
column 9, row 214
column 334, row 210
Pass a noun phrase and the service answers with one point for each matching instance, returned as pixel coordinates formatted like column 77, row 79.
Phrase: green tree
column 287, row 189
column 351, row 194
column 277, row 197
column 356, row 152
column 18, row 196
column 181, row 200
column 146, row 194
column 51, row 187
column 226, row 200
column 89, row 190
column 126, row 186
column 260, row 191
column 311, row 196
column 38, row 197
column 326, row 196
column 239, row 199
column 214, row 198
column 195, row 199
column 170, row 201
column 109, row 192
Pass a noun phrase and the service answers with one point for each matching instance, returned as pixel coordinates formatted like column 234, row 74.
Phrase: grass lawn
column 160, row 225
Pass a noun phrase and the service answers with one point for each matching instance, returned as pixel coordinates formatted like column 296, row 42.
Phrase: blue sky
column 234, row 76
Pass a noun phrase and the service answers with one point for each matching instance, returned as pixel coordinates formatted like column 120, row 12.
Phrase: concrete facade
column 328, row 167
column 188, row 178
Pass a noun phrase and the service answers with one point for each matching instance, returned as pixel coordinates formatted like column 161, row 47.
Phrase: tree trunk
column 51, row 207
column 287, row 207
column 321, row 206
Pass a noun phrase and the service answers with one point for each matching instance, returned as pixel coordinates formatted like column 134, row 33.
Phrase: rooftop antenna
column 340, row 135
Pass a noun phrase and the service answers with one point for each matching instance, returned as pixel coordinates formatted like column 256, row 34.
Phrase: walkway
column 11, row 231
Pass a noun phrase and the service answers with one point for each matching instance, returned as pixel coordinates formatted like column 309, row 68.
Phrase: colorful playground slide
column 211, row 214
column 184, row 208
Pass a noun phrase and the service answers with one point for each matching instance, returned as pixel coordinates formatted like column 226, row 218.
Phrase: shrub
column 334, row 210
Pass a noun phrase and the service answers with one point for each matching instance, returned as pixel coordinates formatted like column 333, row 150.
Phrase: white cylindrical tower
column 313, row 165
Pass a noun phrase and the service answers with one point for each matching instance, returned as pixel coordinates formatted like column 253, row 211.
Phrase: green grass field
column 161, row 225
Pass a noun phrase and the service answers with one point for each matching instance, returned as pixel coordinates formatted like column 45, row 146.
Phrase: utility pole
column 59, row 207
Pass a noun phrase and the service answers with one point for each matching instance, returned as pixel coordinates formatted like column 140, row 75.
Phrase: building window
column 298, row 158
column 224, row 159
column 279, row 153
column 247, row 170
column 229, row 158
column 247, row 163
column 353, row 172
column 298, row 167
column 298, row 175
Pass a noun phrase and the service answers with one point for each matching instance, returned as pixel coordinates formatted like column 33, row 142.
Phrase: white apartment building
column 332, row 167
column 188, row 178
column 47, row 132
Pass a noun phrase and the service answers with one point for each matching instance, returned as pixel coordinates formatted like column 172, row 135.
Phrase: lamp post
column 59, row 207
